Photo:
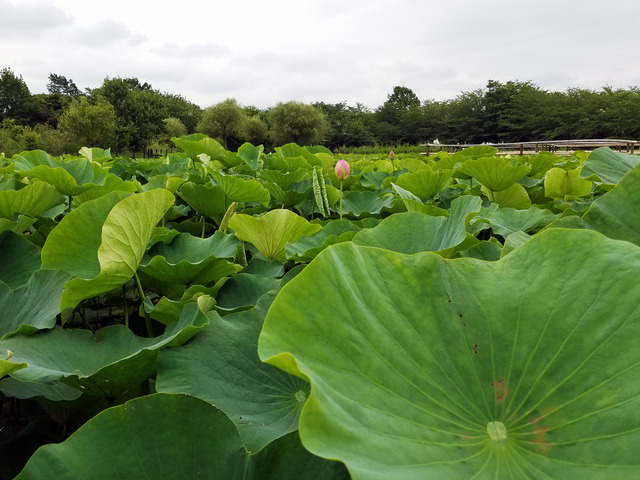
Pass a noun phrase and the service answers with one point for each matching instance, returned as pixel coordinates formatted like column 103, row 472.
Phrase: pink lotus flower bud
column 392, row 155
column 342, row 169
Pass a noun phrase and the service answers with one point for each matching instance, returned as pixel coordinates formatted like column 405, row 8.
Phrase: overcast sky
column 262, row 52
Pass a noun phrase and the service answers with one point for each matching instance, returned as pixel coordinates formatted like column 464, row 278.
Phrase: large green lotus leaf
column 259, row 265
column 286, row 164
column 292, row 195
column 377, row 166
column 284, row 179
column 425, row 183
column 363, row 204
column 95, row 153
column 373, row 179
column 422, row 367
column 483, row 250
column 57, row 392
column 208, row 200
column 263, row 402
column 293, row 150
column 315, row 149
column 112, row 183
column 165, row 436
column 513, row 241
column 616, row 214
column 31, row 200
column 232, row 160
column 18, row 226
column 559, row 182
column 183, row 246
column 307, row 248
column 125, row 234
column 506, row 221
column 185, row 273
column 251, row 154
column 271, row 232
column 69, row 178
column 168, row 182
column 31, row 159
column 541, row 163
column 495, row 173
column 477, row 151
column 73, row 245
column 238, row 189
column 188, row 259
column 414, row 204
column 412, row 232
column 33, row 305
column 513, row 197
column 286, row 458
column 608, row 165
column 198, row 143
column 105, row 363
column 19, row 259
column 243, row 291
column 411, row 164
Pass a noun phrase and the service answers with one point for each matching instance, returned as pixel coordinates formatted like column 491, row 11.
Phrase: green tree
column 139, row 110
column 15, row 98
column 347, row 126
column 391, row 113
column 224, row 121
column 49, row 107
column 11, row 137
column 61, row 85
column 465, row 118
column 173, row 127
column 90, row 125
column 255, row 131
column 508, row 110
column 297, row 122
column 178, row 107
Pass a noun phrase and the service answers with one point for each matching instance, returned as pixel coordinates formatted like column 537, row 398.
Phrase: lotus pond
column 251, row 315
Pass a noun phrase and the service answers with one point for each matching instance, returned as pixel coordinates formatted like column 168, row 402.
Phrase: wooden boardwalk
column 559, row 147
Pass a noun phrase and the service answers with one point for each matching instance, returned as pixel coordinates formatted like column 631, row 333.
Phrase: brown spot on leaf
column 501, row 390
column 501, row 396
column 475, row 349
column 540, row 432
column 512, row 418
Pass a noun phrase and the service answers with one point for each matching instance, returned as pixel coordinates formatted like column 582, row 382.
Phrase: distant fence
column 157, row 152
column 555, row 146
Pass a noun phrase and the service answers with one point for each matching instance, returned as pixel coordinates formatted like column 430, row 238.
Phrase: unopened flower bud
column 342, row 169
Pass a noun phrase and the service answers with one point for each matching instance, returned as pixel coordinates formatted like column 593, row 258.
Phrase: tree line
column 129, row 116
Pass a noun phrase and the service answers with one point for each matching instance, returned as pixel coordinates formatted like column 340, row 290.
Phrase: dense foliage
column 239, row 314
column 510, row 112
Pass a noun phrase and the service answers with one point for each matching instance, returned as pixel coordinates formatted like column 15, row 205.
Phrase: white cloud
column 190, row 51
column 29, row 16
column 321, row 50
column 103, row 35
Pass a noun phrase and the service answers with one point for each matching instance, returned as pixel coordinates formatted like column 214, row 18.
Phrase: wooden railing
column 556, row 146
